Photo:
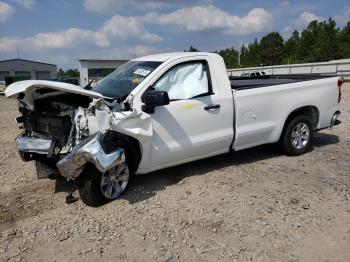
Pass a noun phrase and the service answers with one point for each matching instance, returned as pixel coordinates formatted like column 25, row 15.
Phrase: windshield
column 125, row 78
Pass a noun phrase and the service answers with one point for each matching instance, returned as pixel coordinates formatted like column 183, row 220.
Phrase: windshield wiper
column 88, row 86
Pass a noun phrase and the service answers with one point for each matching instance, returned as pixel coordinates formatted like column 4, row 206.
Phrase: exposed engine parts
column 64, row 132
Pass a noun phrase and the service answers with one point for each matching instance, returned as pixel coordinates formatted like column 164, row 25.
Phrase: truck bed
column 243, row 83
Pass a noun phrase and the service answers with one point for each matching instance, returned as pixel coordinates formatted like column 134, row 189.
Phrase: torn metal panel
column 99, row 118
column 33, row 144
column 89, row 150
column 132, row 123
column 46, row 106
column 99, row 121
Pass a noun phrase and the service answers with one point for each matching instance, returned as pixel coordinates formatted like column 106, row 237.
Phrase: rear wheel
column 297, row 136
column 96, row 188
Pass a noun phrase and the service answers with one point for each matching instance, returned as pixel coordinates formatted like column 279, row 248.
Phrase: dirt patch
column 30, row 200
column 256, row 205
column 23, row 201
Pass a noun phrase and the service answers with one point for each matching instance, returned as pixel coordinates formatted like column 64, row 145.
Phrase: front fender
column 89, row 150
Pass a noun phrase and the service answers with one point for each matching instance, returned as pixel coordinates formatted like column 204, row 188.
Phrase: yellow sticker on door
column 187, row 106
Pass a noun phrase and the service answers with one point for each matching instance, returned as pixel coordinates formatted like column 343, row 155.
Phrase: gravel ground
column 254, row 205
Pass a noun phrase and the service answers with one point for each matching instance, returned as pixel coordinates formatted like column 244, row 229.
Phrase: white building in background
column 86, row 64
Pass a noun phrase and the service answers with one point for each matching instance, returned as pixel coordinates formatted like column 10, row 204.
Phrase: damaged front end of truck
column 67, row 128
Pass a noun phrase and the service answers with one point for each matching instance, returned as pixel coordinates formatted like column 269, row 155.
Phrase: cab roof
column 170, row 56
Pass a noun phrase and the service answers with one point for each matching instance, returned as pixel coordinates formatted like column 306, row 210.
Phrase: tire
column 89, row 183
column 297, row 136
column 97, row 189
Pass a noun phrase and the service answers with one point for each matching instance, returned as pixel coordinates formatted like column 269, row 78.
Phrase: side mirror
column 153, row 99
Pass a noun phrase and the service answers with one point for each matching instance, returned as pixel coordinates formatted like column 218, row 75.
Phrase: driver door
column 190, row 126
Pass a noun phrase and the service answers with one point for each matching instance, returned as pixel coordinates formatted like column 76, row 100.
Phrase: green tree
column 320, row 42
column 252, row 56
column 345, row 41
column 72, row 73
column 192, row 49
column 308, row 42
column 60, row 73
column 271, row 49
column 230, row 56
column 244, row 56
column 329, row 42
column 291, row 49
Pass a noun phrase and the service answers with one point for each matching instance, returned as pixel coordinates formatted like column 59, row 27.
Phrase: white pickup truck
column 164, row 110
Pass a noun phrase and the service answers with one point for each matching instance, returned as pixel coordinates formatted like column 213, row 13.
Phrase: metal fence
column 336, row 67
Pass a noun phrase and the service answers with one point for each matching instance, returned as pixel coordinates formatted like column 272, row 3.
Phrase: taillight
column 340, row 83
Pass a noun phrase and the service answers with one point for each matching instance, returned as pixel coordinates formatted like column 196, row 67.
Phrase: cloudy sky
column 61, row 32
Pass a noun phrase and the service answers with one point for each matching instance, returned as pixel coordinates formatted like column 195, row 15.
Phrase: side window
column 184, row 81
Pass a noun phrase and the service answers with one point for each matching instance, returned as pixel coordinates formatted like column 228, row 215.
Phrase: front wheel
column 96, row 188
column 297, row 136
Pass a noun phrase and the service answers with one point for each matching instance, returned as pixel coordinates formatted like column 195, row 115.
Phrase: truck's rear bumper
column 335, row 119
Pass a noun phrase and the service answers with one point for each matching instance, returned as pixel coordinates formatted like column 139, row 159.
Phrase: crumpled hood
column 29, row 86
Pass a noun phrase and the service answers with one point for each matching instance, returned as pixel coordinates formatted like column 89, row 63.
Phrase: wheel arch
column 112, row 140
column 311, row 111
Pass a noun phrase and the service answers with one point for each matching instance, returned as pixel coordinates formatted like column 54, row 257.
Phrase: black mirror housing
column 151, row 99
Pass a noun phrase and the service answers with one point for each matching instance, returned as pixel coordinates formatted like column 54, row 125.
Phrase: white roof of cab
column 167, row 56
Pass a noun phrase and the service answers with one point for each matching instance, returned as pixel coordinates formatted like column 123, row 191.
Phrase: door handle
column 211, row 107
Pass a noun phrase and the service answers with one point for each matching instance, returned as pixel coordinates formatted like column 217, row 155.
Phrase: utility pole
column 239, row 53
column 239, row 57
